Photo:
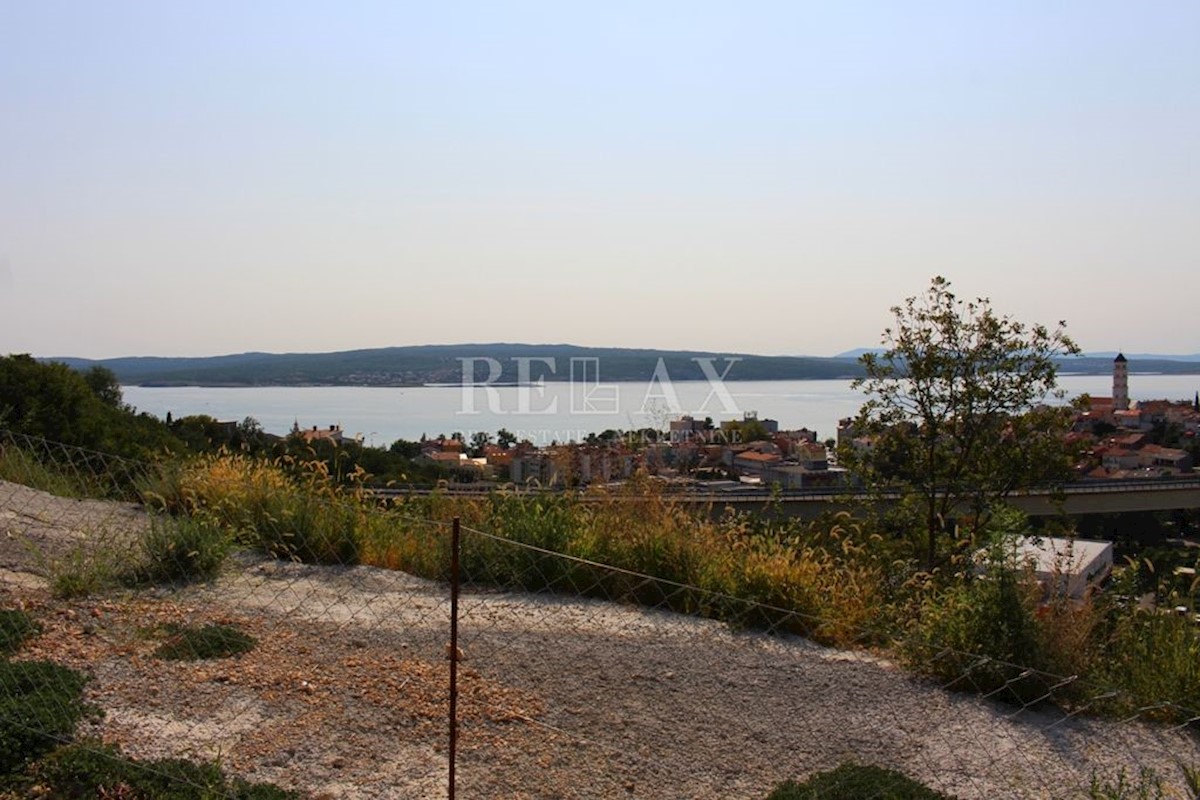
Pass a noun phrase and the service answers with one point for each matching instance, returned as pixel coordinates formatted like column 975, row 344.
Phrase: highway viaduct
column 1099, row 497
column 1089, row 497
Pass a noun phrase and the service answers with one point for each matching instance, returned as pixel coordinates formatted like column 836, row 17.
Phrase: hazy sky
column 202, row 178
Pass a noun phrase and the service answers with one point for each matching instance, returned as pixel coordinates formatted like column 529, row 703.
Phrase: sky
column 191, row 178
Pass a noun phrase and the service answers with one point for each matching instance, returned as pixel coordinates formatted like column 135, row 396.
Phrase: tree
column 479, row 440
column 49, row 400
column 506, row 438
column 104, row 383
column 405, row 448
column 54, row 402
column 954, row 413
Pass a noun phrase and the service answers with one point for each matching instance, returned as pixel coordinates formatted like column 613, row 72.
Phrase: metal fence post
column 453, row 654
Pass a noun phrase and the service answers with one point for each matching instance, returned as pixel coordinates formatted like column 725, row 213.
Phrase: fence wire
column 162, row 639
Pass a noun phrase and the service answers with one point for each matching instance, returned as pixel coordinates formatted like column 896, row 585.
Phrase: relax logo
column 587, row 394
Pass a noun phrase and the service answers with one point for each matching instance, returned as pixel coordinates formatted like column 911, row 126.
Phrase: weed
column 94, row 769
column 854, row 781
column 20, row 465
column 85, row 570
column 178, row 549
column 1148, row 786
column 209, row 641
column 1153, row 661
column 40, row 705
column 15, row 627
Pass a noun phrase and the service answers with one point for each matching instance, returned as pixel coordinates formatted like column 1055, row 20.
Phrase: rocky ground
column 345, row 695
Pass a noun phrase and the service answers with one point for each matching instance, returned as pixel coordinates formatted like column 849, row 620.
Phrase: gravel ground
column 345, row 695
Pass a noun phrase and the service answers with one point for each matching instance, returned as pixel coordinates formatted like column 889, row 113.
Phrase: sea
column 558, row 412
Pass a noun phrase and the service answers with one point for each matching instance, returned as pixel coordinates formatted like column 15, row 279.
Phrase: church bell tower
column 1120, row 390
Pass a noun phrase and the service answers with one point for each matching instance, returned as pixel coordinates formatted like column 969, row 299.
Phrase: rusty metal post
column 453, row 654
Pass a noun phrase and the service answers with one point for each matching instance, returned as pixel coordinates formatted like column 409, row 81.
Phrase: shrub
column 1148, row 786
column 853, row 782
column 85, row 570
column 315, row 529
column 181, row 549
column 209, row 641
column 39, row 707
column 980, row 634
column 15, row 627
column 1153, row 662
column 288, row 509
column 21, row 465
column 93, row 769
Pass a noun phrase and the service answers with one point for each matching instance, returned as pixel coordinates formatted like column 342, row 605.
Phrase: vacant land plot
column 345, row 694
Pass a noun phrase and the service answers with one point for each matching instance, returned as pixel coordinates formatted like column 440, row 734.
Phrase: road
column 1090, row 497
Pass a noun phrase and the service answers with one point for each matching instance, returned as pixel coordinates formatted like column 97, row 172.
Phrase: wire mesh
column 142, row 621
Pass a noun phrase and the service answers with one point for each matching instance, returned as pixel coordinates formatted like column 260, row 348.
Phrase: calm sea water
column 557, row 411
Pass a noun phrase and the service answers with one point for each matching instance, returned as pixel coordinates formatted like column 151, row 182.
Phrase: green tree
column 54, row 402
column 405, row 448
column 250, row 436
column 105, row 386
column 49, row 400
column 506, row 438
column 953, row 411
column 479, row 440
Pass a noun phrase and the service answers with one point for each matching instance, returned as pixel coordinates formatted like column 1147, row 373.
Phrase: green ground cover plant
column 85, row 570
column 40, row 705
column 181, row 549
column 93, row 769
column 856, row 782
column 1146, row 786
column 15, row 627
column 191, row 643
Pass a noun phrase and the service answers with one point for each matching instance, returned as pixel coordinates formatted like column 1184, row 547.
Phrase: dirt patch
column 345, row 695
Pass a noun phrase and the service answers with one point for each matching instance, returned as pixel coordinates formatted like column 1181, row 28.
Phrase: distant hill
column 420, row 364
column 1101, row 364
column 417, row 365
column 857, row 353
column 1140, row 357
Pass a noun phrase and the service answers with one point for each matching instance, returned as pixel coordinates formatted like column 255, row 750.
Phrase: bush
column 93, row 769
column 981, row 635
column 181, row 549
column 210, row 641
column 288, row 509
column 315, row 529
column 85, row 570
column 21, row 465
column 1147, row 786
column 1153, row 662
column 854, row 782
column 15, row 627
column 40, row 704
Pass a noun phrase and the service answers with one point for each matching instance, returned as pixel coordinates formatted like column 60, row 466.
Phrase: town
column 1114, row 438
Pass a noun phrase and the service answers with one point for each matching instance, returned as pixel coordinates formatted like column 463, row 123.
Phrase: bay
column 556, row 411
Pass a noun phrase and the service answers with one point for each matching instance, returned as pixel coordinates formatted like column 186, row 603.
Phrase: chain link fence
column 222, row 634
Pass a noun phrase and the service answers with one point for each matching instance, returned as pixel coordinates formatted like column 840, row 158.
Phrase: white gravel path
column 564, row 698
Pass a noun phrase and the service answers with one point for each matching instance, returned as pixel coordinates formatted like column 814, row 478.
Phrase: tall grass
column 1153, row 664
column 834, row 580
column 21, row 465
column 290, row 510
column 65, row 470
column 825, row 580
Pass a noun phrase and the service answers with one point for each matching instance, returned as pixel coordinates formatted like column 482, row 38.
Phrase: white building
column 1066, row 567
